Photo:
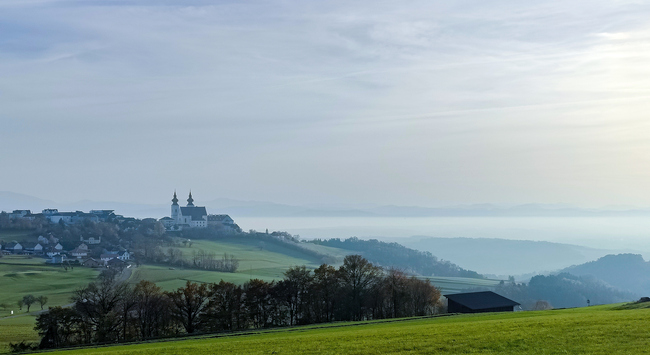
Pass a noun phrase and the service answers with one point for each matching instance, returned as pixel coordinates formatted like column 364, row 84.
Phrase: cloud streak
column 327, row 102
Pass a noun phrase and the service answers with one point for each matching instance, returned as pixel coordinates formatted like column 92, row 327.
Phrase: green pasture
column 21, row 275
column 265, row 261
column 257, row 257
column 593, row 330
column 19, row 235
column 172, row 278
column 459, row 284
column 257, row 260
column 15, row 329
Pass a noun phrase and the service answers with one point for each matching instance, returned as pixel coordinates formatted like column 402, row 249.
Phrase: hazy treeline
column 628, row 272
column 394, row 254
column 562, row 291
column 109, row 311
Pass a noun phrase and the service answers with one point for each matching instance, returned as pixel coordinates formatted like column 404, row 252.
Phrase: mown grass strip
column 593, row 330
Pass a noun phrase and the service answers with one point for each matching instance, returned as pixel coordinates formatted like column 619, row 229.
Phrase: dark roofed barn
column 478, row 302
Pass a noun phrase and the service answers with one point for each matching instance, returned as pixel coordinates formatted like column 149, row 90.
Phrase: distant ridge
column 10, row 201
column 629, row 272
column 504, row 257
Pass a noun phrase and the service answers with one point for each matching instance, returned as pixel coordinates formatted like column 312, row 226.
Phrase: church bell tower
column 176, row 209
column 190, row 201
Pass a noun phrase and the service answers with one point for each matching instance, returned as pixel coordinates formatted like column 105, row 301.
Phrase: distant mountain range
column 503, row 257
column 10, row 201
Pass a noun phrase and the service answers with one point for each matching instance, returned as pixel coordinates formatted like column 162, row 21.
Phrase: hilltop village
column 102, row 238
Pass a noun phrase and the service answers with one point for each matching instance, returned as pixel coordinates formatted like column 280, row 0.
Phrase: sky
column 301, row 102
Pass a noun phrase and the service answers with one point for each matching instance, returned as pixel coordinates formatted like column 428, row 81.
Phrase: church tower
column 190, row 201
column 176, row 209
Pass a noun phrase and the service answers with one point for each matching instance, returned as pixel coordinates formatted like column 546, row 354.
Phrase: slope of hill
column 504, row 256
column 592, row 330
column 627, row 272
column 399, row 256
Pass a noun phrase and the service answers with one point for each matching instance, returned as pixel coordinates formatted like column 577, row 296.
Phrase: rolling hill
column 629, row 272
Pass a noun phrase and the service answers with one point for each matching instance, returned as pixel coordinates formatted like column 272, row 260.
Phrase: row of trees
column 561, row 291
column 108, row 311
column 29, row 300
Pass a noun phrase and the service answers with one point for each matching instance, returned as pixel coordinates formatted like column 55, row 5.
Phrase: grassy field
column 20, row 275
column 593, row 330
column 19, row 235
column 458, row 284
column 265, row 261
column 15, row 329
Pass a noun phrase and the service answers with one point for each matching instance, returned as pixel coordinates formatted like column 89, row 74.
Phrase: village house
column 216, row 219
column 124, row 256
column 108, row 256
column 42, row 240
column 91, row 240
column 54, row 250
column 80, row 252
column 116, row 264
column 56, row 259
column 19, row 214
column 90, row 262
column 14, row 248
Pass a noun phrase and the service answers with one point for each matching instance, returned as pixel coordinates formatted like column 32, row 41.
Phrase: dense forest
column 108, row 311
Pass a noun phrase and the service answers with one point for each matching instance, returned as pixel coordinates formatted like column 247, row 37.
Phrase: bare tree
column 188, row 303
column 28, row 301
column 42, row 300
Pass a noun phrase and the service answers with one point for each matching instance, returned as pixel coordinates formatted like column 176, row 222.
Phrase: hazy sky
column 396, row 102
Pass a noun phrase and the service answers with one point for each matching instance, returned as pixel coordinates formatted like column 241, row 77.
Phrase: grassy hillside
column 18, row 234
column 265, row 261
column 628, row 272
column 593, row 330
column 15, row 329
column 459, row 284
column 20, row 276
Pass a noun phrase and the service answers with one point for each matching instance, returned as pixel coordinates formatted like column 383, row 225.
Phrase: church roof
column 197, row 213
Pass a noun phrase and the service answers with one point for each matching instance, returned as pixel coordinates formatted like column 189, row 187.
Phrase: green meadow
column 15, row 329
column 265, row 261
column 592, row 330
column 21, row 275
column 16, row 234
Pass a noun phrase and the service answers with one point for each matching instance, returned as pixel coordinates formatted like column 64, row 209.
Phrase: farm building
column 478, row 302
column 90, row 262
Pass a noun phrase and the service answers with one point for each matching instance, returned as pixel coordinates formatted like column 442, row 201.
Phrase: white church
column 192, row 216
column 189, row 216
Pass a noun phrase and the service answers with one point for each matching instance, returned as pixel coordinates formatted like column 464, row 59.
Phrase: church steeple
column 175, row 199
column 190, row 200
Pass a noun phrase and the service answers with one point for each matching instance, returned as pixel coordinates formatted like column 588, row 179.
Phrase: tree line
column 561, row 291
column 108, row 311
